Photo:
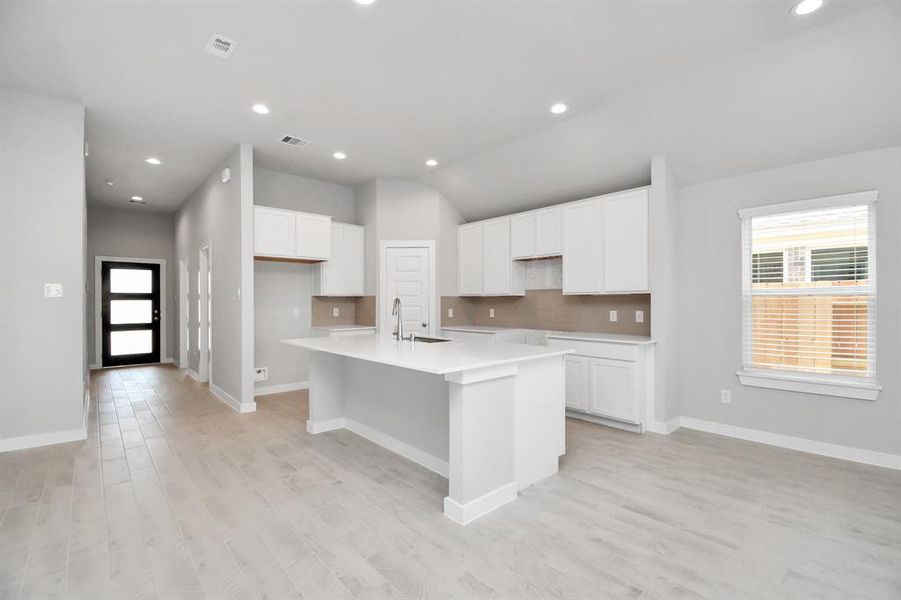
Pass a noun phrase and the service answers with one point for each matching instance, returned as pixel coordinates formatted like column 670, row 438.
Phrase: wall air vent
column 221, row 46
column 296, row 142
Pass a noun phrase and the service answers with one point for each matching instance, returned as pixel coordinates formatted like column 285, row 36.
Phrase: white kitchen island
column 489, row 417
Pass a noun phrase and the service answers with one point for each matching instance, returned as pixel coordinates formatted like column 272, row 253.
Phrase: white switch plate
column 295, row 312
column 639, row 316
column 336, row 312
column 53, row 290
column 261, row 374
column 613, row 316
column 491, row 313
column 726, row 396
column 450, row 313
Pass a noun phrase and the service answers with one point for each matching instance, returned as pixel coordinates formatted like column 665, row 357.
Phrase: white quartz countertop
column 439, row 358
column 616, row 338
column 343, row 327
column 480, row 328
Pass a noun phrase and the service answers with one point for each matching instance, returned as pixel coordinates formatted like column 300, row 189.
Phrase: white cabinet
column 625, row 236
column 290, row 235
column 273, row 232
column 614, row 389
column 582, row 264
column 537, row 233
column 342, row 273
column 484, row 264
column 577, row 382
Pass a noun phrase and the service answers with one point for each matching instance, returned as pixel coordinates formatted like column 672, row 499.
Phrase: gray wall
column 710, row 304
column 213, row 215
column 133, row 233
column 280, row 288
column 42, row 240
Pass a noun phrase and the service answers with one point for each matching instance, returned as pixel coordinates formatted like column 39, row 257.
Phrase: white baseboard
column 43, row 439
column 263, row 390
column 411, row 453
column 237, row 406
column 193, row 374
column 94, row 366
column 469, row 512
column 869, row 457
column 168, row 361
column 663, row 427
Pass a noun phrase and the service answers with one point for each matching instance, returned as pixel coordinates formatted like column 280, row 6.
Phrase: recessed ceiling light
column 339, row 155
column 805, row 7
column 109, row 182
column 260, row 109
column 559, row 108
column 137, row 199
column 365, row 2
column 152, row 160
column 431, row 163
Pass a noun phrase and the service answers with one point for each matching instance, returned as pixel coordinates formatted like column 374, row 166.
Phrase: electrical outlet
column 53, row 290
column 450, row 313
column 613, row 316
column 261, row 374
column 295, row 312
column 336, row 312
column 726, row 396
column 639, row 316
column 490, row 313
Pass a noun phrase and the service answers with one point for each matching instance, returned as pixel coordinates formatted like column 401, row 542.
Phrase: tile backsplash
column 351, row 311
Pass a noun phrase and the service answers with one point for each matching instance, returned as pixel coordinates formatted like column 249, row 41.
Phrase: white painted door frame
column 98, row 301
column 204, row 318
column 383, row 284
column 184, row 313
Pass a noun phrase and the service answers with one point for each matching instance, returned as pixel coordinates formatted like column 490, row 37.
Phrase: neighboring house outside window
column 809, row 291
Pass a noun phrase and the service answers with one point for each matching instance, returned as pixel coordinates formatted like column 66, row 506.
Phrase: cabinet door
column 614, row 389
column 576, row 376
column 548, row 232
column 313, row 237
column 522, row 235
column 496, row 262
column 625, row 222
column 354, row 257
column 469, row 259
column 332, row 270
column 582, row 268
column 273, row 232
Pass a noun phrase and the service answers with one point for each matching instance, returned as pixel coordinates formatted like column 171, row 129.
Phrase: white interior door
column 407, row 278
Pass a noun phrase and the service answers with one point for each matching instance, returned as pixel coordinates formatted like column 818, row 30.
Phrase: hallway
column 176, row 496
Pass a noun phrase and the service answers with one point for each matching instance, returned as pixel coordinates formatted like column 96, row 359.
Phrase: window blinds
column 809, row 290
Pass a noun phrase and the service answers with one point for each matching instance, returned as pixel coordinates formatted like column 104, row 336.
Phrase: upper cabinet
column 484, row 264
column 582, row 264
column 290, row 235
column 342, row 274
column 537, row 233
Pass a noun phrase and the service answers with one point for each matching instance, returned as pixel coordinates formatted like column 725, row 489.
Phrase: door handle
column 424, row 324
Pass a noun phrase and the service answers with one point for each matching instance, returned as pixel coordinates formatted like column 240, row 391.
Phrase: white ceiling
column 719, row 87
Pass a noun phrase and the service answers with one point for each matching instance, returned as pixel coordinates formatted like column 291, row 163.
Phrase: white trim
column 98, row 287
column 809, row 384
column 204, row 318
column 605, row 421
column 865, row 197
column 43, row 439
column 663, row 427
column 241, row 407
column 193, row 375
column 434, row 319
column 96, row 367
column 411, row 453
column 184, row 312
column 263, row 390
column 859, row 455
column 464, row 514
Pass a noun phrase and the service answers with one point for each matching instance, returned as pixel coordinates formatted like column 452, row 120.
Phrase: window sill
column 809, row 384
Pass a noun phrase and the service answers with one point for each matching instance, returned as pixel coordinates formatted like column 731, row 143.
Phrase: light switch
column 336, row 312
column 53, row 290
column 450, row 313
column 639, row 316
column 295, row 312
column 613, row 316
column 491, row 313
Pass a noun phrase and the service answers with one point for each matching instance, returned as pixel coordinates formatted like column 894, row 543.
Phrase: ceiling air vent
column 220, row 46
column 296, row 142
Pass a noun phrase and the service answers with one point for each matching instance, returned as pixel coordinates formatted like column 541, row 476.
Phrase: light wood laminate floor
column 173, row 495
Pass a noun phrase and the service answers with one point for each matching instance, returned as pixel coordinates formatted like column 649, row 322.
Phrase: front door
column 407, row 278
column 130, row 313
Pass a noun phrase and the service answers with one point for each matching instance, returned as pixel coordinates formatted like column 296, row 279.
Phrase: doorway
column 184, row 307
column 205, row 314
column 130, row 313
column 408, row 272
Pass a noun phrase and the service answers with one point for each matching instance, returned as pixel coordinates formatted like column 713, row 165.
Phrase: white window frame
column 862, row 388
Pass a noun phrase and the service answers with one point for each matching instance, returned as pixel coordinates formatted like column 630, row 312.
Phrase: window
column 809, row 291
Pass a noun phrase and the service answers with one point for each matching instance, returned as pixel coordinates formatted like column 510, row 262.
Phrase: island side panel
column 327, row 394
column 540, row 419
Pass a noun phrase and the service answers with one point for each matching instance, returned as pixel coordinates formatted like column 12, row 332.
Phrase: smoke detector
column 295, row 141
column 221, row 46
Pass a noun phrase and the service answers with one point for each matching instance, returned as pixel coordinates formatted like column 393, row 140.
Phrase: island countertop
column 438, row 358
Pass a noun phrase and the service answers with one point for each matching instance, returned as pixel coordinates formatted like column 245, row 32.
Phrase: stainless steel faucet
column 397, row 310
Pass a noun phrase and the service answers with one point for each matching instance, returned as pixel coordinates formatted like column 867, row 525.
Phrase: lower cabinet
column 577, row 382
column 614, row 389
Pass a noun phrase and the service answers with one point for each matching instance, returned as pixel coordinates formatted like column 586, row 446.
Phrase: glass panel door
column 130, row 313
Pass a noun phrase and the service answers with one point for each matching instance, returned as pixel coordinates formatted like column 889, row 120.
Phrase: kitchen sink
column 430, row 340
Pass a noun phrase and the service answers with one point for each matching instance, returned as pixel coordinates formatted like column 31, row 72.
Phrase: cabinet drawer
column 609, row 350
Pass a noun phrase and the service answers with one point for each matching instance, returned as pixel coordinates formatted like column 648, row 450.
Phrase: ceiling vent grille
column 296, row 142
column 221, row 46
